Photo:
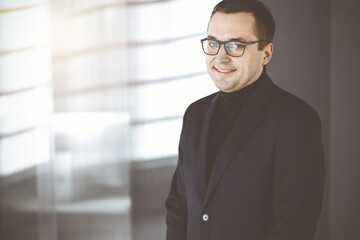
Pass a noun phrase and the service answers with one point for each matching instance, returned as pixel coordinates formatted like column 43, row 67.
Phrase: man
column 251, row 164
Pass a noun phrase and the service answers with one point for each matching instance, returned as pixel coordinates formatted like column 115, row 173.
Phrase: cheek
column 209, row 60
column 257, row 59
column 246, row 63
column 241, row 63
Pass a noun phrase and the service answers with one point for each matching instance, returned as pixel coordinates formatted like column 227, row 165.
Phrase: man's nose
column 222, row 55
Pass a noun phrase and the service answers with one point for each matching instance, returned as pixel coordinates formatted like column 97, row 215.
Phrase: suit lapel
column 244, row 125
column 203, row 146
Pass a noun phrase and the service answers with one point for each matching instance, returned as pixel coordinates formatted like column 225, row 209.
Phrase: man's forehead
column 238, row 38
column 229, row 26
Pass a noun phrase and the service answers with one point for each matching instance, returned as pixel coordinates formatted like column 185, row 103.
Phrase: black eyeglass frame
column 226, row 49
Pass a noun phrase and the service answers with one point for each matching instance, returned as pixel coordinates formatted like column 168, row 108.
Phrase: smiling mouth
column 224, row 70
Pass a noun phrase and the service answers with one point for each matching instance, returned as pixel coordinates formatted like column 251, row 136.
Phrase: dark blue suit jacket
column 268, row 178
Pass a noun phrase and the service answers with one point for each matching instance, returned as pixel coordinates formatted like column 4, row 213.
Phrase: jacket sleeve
column 298, row 178
column 176, row 205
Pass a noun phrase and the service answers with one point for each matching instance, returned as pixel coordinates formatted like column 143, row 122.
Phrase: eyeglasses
column 232, row 48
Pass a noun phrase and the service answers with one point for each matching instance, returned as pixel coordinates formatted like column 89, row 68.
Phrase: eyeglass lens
column 211, row 47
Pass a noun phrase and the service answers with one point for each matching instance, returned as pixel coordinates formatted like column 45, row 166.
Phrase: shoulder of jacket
column 287, row 104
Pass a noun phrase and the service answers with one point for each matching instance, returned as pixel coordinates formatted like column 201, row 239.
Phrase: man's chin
column 222, row 85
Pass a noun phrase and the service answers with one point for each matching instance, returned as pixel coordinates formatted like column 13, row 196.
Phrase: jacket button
column 205, row 217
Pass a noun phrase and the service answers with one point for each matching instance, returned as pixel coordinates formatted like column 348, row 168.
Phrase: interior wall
column 344, row 121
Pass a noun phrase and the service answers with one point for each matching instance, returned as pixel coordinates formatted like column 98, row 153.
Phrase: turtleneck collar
column 238, row 97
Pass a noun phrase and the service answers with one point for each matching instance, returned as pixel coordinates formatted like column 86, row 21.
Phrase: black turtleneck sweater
column 226, row 111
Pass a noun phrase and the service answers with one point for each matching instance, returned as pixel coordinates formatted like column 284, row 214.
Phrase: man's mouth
column 224, row 70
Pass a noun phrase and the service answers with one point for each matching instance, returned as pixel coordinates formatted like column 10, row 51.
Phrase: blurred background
column 92, row 94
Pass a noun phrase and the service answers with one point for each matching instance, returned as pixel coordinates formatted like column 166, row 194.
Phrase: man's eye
column 237, row 45
column 213, row 44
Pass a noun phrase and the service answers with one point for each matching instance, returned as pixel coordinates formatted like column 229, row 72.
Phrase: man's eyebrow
column 211, row 37
column 232, row 39
column 238, row 39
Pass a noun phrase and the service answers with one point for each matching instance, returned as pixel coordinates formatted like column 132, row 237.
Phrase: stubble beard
column 224, row 85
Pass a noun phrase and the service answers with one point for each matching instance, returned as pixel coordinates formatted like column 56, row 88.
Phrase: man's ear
column 268, row 52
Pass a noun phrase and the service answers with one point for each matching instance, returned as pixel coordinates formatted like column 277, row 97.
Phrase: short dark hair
column 264, row 21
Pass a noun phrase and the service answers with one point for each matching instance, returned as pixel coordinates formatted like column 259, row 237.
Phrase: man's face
column 233, row 73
